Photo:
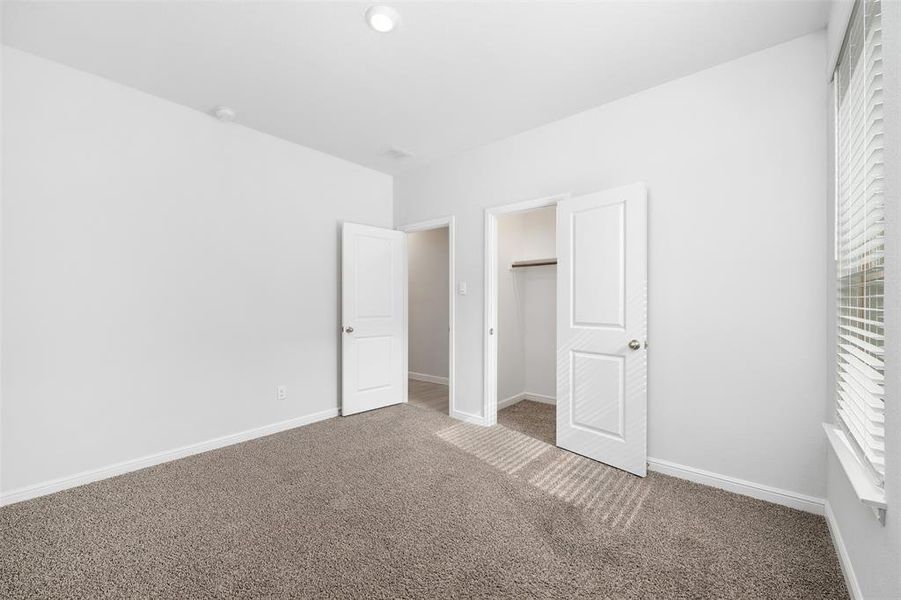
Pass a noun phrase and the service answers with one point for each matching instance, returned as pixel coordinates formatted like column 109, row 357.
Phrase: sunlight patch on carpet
column 609, row 495
column 500, row 447
column 612, row 496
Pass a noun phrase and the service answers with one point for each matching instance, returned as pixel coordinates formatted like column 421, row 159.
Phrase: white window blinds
column 860, row 234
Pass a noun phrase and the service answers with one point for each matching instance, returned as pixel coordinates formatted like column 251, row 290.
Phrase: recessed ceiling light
column 382, row 18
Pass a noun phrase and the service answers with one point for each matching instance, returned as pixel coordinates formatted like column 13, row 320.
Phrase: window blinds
column 860, row 231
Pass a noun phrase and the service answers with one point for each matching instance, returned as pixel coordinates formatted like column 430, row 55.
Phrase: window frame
column 867, row 481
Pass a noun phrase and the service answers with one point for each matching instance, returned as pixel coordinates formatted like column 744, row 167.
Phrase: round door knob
column 349, row 330
column 635, row 344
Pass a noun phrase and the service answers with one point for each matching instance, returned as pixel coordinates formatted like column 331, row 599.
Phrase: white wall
column 162, row 273
column 511, row 379
column 539, row 315
column 527, row 329
column 871, row 551
column 734, row 162
column 428, row 311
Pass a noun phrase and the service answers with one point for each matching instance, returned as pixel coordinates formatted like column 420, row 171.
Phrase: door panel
column 374, row 273
column 597, row 393
column 373, row 313
column 598, row 296
column 601, row 308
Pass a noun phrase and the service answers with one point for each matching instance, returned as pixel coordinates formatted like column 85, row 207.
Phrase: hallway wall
column 428, row 254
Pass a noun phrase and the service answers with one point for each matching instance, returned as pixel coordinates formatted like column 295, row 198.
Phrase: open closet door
column 602, row 326
column 373, row 313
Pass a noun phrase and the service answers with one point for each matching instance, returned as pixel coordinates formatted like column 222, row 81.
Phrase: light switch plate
column 281, row 392
column 461, row 288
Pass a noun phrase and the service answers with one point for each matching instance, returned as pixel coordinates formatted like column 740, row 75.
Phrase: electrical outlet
column 281, row 392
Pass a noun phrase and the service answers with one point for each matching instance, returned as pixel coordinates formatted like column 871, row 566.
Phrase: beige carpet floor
column 407, row 503
column 535, row 419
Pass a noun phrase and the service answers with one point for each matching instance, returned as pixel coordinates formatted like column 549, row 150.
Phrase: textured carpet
column 407, row 503
column 534, row 419
column 428, row 395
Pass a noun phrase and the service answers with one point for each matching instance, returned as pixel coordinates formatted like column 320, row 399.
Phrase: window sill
column 867, row 491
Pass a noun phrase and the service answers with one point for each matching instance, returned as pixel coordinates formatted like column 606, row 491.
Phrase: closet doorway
column 526, row 322
column 505, row 390
column 591, row 341
column 430, row 314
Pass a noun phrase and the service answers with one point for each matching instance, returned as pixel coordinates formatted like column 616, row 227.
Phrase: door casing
column 489, row 319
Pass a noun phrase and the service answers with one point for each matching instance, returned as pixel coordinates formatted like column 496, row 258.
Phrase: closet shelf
column 534, row 263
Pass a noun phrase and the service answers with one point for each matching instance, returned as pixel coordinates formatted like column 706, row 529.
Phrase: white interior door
column 374, row 317
column 602, row 326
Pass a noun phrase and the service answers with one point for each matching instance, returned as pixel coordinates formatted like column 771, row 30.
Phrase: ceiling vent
column 398, row 153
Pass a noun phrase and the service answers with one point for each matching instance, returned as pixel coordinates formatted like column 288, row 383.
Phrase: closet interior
column 526, row 319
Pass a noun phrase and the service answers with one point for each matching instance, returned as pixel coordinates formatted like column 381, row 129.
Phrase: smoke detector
column 225, row 114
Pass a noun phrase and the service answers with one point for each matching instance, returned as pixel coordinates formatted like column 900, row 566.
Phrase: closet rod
column 534, row 263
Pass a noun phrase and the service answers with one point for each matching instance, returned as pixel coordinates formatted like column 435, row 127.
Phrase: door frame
column 438, row 223
column 489, row 370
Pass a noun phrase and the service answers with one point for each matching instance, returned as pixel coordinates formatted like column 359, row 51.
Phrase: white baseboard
column 467, row 417
column 540, row 398
column 427, row 377
column 844, row 558
column 63, row 483
column 525, row 396
column 739, row 486
column 510, row 401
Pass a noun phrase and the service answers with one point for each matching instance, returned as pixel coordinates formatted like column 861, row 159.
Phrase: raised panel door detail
column 373, row 288
column 598, row 266
column 597, row 393
column 374, row 360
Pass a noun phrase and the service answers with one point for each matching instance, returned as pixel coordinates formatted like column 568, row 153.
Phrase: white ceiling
column 453, row 76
